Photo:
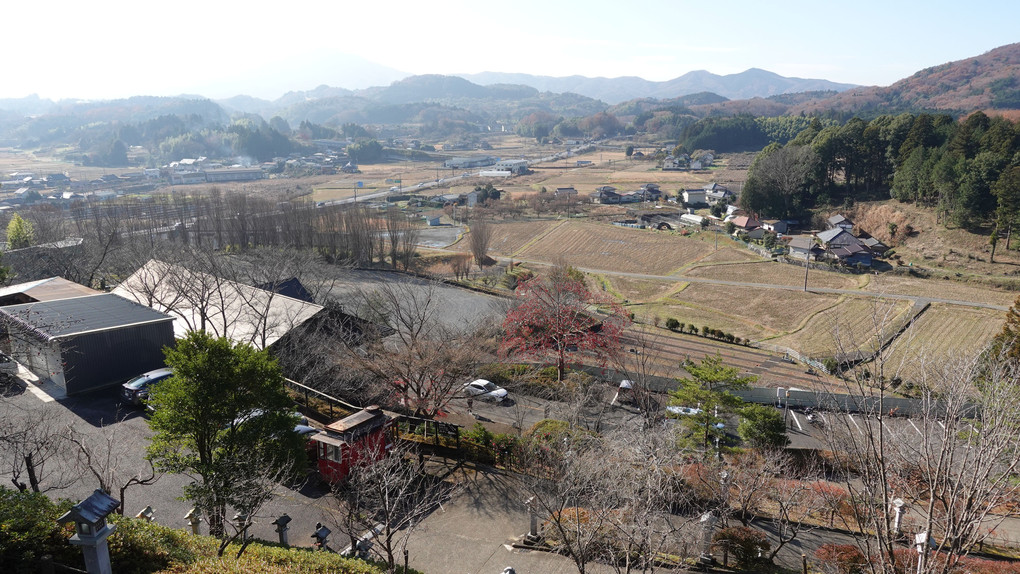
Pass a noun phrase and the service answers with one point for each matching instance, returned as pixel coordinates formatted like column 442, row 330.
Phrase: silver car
column 136, row 390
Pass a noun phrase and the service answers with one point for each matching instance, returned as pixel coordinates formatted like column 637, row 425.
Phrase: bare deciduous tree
column 611, row 500
column 427, row 357
column 388, row 498
column 479, row 239
column 951, row 462
column 100, row 455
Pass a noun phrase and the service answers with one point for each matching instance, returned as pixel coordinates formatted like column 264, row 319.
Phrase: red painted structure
column 365, row 435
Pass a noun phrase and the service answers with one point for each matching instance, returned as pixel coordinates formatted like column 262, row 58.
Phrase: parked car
column 687, row 411
column 136, row 390
column 485, row 390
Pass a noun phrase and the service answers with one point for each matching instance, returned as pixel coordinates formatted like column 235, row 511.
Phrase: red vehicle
column 365, row 435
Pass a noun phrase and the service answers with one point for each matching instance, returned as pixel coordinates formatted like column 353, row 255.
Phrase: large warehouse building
column 84, row 343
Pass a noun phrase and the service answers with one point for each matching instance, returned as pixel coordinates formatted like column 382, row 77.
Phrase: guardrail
column 336, row 406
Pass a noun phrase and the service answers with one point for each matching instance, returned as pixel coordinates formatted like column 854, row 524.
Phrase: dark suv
column 136, row 390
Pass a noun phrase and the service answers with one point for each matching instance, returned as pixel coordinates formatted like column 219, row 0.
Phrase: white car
column 485, row 390
column 688, row 411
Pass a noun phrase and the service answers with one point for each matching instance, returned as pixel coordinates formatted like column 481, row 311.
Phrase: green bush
column 479, row 434
column 29, row 529
column 672, row 324
column 549, row 430
column 830, row 364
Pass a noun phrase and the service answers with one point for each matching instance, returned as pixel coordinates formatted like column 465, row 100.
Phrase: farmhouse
column 842, row 245
column 605, row 195
column 650, row 192
column 715, row 192
column 565, row 192
column 678, row 163
column 745, row 223
column 694, row 197
column 839, row 222
column 775, row 225
column 874, row 245
column 804, row 247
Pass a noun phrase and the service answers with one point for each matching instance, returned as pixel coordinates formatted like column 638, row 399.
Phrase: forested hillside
column 968, row 172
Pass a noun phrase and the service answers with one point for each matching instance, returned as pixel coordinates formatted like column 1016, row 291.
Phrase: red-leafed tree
column 557, row 315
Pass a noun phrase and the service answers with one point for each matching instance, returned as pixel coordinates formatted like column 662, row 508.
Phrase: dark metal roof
column 91, row 510
column 51, row 319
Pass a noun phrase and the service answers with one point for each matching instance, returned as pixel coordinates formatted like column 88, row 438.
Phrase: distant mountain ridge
column 990, row 81
column 444, row 104
column 747, row 84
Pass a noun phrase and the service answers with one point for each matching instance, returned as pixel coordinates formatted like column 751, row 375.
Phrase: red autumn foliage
column 556, row 316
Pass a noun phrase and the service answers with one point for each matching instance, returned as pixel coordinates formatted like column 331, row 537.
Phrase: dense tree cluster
column 967, row 171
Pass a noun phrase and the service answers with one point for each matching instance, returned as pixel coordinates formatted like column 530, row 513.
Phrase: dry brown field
column 613, row 168
column 772, row 273
column 729, row 255
column 665, row 350
column 854, row 322
column 642, row 291
column 614, row 249
column 42, row 163
column 940, row 333
column 509, row 237
column 939, row 289
column 747, row 312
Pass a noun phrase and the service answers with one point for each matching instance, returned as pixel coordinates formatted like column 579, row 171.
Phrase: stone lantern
column 92, row 530
column 321, row 536
column 282, row 526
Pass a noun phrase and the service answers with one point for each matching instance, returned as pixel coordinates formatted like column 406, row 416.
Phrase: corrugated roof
column 52, row 319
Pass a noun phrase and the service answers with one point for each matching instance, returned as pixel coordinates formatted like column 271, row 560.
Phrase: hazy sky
column 220, row 48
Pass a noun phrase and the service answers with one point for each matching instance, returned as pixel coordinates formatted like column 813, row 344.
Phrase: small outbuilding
column 85, row 343
column 364, row 436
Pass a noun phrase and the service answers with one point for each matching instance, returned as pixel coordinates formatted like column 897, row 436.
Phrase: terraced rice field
column 855, row 323
column 940, row 289
column 668, row 349
column 612, row 248
column 508, row 238
column 638, row 290
column 941, row 332
column 766, row 312
column 773, row 273
column 730, row 255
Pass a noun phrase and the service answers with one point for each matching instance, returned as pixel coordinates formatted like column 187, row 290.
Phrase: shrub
column 672, row 324
column 747, row 545
column 549, row 430
column 830, row 364
column 841, row 558
column 480, row 435
column 29, row 529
